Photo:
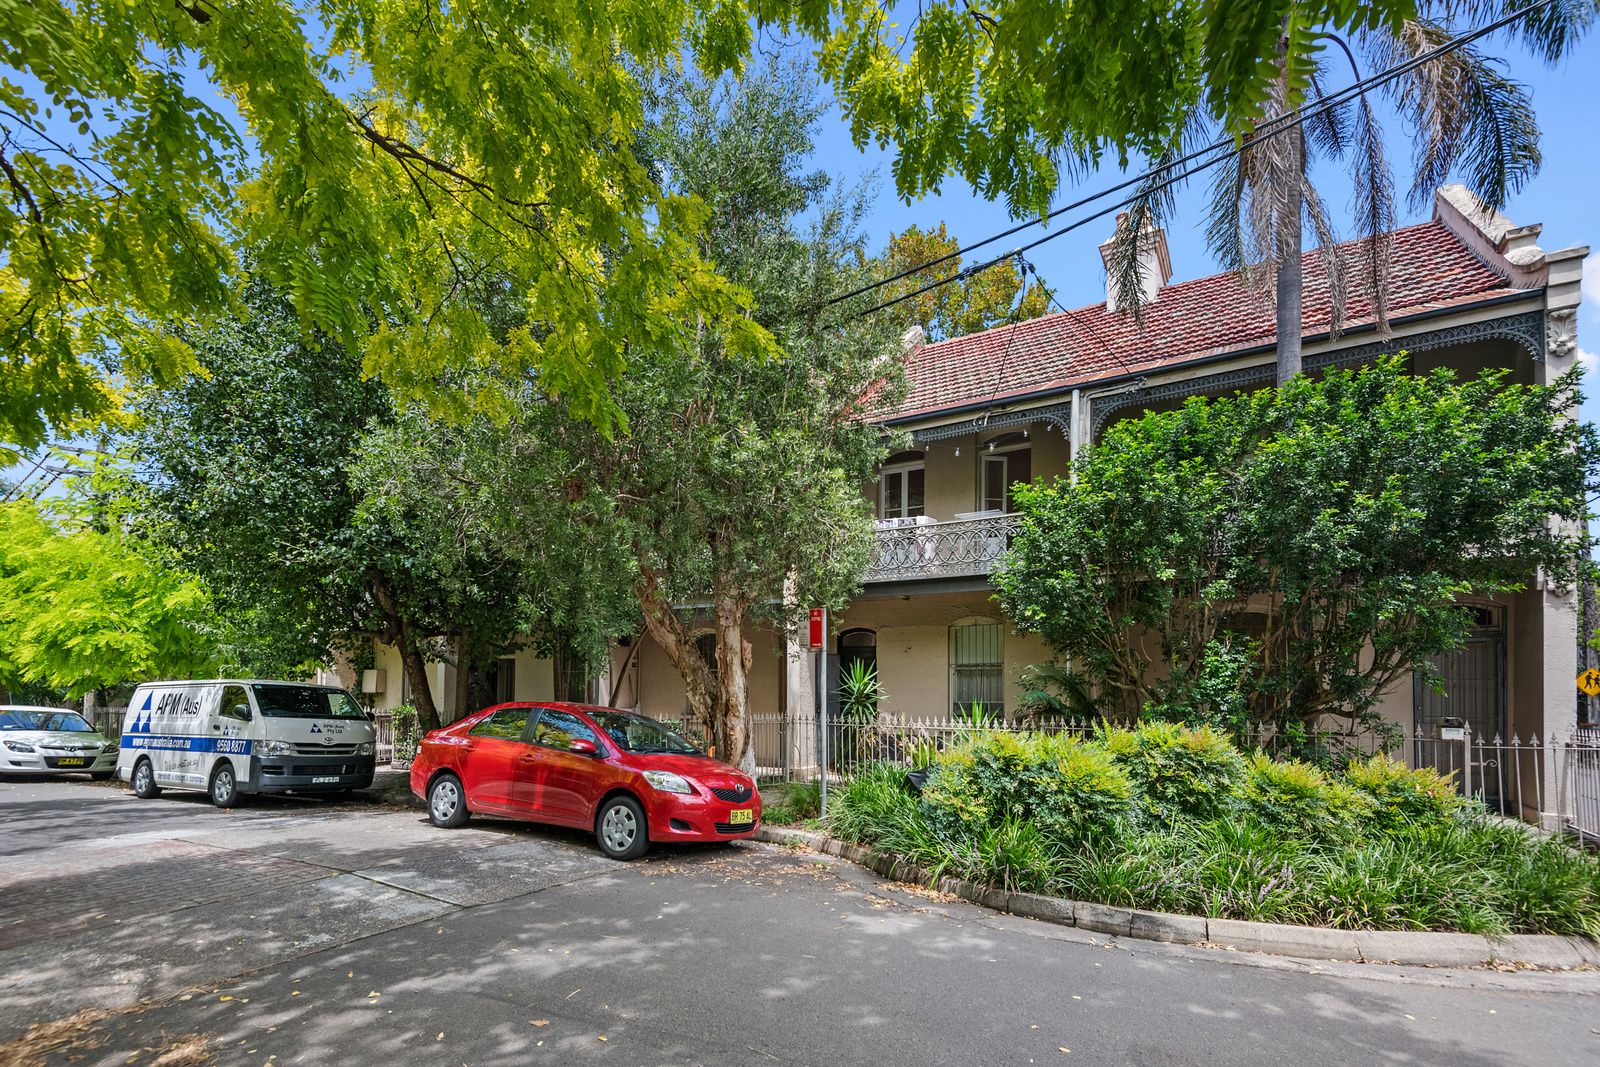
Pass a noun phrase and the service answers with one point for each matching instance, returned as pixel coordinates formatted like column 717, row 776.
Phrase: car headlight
column 17, row 746
column 364, row 748
column 668, row 782
column 275, row 748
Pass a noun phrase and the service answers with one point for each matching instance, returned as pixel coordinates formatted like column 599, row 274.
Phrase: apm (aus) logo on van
column 316, row 729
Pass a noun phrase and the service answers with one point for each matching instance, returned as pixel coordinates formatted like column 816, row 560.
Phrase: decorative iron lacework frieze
column 1057, row 415
column 1526, row 329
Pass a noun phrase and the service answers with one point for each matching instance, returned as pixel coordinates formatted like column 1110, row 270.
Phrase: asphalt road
column 304, row 932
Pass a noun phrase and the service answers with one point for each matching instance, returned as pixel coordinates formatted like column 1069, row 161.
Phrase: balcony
column 909, row 549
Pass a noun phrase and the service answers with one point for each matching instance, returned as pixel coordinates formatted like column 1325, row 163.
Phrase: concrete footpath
column 304, row 932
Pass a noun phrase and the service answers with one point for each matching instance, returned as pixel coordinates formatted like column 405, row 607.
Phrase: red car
column 625, row 777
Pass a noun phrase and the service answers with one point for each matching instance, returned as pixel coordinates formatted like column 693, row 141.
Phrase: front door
column 1474, row 696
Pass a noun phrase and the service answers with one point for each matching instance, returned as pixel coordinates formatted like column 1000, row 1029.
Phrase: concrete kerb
column 1415, row 948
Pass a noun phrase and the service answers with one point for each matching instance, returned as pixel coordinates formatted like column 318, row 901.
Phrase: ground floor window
column 977, row 667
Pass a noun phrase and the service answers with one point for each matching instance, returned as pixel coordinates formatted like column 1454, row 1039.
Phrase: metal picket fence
column 1553, row 781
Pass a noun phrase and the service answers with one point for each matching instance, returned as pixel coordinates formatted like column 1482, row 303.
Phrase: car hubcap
column 224, row 786
column 144, row 777
column 444, row 800
column 619, row 829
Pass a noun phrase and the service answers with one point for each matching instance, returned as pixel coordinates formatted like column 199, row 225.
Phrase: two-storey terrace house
column 1469, row 290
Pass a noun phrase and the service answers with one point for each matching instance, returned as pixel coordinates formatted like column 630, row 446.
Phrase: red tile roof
column 1430, row 270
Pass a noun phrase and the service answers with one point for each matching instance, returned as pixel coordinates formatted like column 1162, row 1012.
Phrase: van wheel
column 447, row 802
column 620, row 829
column 224, row 786
column 144, row 781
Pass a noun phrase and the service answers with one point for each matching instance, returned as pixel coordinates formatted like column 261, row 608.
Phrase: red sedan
column 625, row 777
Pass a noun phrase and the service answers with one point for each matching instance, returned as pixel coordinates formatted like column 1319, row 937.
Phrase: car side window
column 507, row 724
column 235, row 703
column 558, row 729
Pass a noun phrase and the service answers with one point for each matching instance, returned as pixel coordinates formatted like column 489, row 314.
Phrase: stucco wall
column 661, row 693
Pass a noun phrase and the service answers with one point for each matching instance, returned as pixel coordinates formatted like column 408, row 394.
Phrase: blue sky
column 1562, row 196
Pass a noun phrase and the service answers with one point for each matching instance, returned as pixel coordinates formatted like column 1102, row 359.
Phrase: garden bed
column 1170, row 820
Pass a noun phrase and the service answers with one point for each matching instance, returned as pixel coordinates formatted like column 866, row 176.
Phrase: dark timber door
column 1474, row 695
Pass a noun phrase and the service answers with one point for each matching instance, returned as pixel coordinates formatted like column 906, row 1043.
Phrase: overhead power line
column 1220, row 150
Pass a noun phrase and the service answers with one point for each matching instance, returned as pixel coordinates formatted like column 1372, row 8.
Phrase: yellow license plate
column 741, row 815
column 71, row 761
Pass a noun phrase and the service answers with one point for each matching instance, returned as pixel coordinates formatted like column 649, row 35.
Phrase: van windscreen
column 305, row 702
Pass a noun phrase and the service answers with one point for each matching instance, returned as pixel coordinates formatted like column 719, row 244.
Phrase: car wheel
column 447, row 802
column 101, row 776
column 144, row 781
column 224, row 786
column 620, row 829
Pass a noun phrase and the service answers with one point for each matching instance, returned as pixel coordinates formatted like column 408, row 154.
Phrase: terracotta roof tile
column 1430, row 269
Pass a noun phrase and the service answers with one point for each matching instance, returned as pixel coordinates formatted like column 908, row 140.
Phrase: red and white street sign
column 816, row 627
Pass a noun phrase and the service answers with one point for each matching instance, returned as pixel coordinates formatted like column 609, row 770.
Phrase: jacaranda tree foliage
column 1273, row 557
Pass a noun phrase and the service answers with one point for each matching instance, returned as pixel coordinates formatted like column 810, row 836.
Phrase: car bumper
column 37, row 763
column 310, row 774
column 675, row 817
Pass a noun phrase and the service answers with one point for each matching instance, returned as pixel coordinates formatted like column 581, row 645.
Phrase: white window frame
column 902, row 471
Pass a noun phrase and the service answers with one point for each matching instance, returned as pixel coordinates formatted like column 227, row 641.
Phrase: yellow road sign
column 1589, row 682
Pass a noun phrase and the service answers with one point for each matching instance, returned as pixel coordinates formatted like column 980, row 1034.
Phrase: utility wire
column 1277, row 125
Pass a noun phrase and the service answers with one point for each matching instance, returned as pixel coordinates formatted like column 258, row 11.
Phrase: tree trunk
column 463, row 686
column 398, row 632
column 669, row 632
column 416, row 668
column 1289, row 283
column 733, row 686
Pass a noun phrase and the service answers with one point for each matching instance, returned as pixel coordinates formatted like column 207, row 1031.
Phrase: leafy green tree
column 258, row 476
column 993, row 297
column 1277, row 556
column 735, row 493
column 376, row 155
column 84, row 609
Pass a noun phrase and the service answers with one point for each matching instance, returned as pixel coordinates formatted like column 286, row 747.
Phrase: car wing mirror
column 241, row 711
column 583, row 747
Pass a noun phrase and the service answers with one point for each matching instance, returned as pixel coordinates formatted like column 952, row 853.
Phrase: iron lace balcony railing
column 965, row 547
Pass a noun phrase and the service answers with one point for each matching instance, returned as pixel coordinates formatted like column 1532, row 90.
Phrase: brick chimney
column 1155, row 264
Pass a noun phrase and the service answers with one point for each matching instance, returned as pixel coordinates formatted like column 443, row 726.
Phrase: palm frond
column 1549, row 33
column 1328, row 130
column 1154, row 201
column 1328, row 251
column 1374, row 210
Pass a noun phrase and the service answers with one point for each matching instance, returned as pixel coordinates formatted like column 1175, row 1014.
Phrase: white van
column 229, row 737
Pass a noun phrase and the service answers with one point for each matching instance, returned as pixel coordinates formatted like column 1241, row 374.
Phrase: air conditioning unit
column 374, row 681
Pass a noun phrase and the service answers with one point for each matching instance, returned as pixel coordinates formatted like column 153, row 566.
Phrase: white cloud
column 1589, row 361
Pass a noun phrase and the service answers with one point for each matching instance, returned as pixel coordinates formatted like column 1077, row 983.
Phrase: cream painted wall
column 661, row 693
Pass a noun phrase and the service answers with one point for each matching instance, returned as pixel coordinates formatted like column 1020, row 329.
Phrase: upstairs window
column 1007, row 460
column 903, row 486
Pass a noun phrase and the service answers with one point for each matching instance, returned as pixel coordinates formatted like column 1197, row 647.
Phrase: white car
column 52, row 740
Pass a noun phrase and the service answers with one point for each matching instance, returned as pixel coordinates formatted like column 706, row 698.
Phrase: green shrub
column 1013, row 854
column 1401, row 795
column 1066, row 787
column 407, row 734
column 1178, row 772
column 874, row 807
column 789, row 803
column 1297, row 799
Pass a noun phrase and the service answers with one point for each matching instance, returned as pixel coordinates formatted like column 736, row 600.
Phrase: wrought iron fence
column 383, row 737
column 941, row 549
column 1554, row 781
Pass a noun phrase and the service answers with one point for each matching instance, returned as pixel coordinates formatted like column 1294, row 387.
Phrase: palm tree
column 1468, row 119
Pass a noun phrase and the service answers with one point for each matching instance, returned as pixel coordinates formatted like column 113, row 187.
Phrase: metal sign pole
column 822, row 710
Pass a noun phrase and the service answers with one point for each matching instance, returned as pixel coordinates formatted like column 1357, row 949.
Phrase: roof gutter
column 1102, row 384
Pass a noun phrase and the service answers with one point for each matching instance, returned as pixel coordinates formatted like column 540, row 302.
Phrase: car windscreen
column 63, row 721
column 306, row 702
column 635, row 733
